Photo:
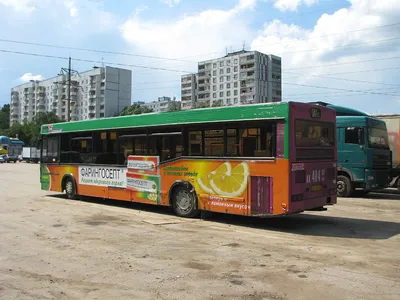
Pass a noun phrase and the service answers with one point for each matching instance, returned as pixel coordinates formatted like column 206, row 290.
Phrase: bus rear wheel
column 70, row 189
column 344, row 186
column 184, row 202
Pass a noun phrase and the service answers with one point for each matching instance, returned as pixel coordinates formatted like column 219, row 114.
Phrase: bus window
column 131, row 144
column 196, row 142
column 104, row 148
column 65, row 149
column 82, row 149
column 50, row 149
column 232, row 141
column 214, row 142
column 257, row 142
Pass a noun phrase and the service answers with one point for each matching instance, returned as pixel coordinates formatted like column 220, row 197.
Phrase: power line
column 363, row 71
column 341, row 46
column 344, row 79
column 345, row 63
column 94, row 61
column 92, row 50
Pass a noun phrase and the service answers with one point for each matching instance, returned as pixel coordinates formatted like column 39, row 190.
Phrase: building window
column 228, row 85
column 214, row 87
column 221, row 64
column 235, row 92
column 228, row 93
column 101, row 115
column 228, row 70
column 221, row 79
column 214, row 65
column 221, row 71
column 215, row 73
column 235, row 61
column 221, row 94
column 235, row 100
column 235, row 69
column 235, row 77
column 214, row 80
column 228, row 78
column 221, row 86
column 228, row 101
column 228, row 62
column 214, row 95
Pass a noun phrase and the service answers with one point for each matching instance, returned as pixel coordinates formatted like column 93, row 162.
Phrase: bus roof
column 195, row 116
column 341, row 110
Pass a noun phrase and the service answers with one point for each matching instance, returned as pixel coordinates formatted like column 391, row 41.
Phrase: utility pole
column 69, row 90
column 69, row 72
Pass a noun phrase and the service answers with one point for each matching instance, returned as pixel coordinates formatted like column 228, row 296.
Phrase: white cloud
column 171, row 3
column 292, row 5
column 29, row 76
column 20, row 6
column 323, row 44
column 203, row 32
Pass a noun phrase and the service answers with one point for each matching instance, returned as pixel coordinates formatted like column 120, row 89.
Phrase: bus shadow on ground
column 304, row 224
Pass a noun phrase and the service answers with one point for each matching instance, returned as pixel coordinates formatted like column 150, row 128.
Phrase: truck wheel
column 344, row 186
column 184, row 202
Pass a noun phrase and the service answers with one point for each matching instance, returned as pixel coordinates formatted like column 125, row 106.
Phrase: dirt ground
column 53, row 248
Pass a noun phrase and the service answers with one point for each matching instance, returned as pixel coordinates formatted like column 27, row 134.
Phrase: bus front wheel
column 184, row 202
column 70, row 189
column 344, row 186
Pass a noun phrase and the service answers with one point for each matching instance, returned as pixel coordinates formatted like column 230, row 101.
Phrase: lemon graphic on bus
column 225, row 181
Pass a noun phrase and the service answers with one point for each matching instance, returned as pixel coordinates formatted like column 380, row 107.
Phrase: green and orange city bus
column 258, row 160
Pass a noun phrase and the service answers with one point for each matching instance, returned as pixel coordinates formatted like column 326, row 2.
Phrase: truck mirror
column 360, row 136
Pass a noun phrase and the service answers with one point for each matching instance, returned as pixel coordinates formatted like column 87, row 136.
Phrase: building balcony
column 92, row 115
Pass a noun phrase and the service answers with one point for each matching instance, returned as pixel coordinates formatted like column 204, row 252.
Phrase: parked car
column 3, row 158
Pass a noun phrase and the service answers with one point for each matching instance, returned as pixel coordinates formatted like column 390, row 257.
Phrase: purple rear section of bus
column 312, row 170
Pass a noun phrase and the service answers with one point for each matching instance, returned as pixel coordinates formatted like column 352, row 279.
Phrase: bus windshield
column 378, row 138
column 314, row 134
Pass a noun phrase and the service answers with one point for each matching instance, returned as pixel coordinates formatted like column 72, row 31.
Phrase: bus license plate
column 316, row 188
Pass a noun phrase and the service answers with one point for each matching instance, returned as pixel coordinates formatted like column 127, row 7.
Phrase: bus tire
column 344, row 186
column 184, row 202
column 70, row 189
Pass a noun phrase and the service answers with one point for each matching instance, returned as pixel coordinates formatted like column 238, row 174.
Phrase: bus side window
column 82, row 148
column 65, row 149
column 232, row 141
column 195, row 143
column 50, row 149
column 214, row 142
column 257, row 142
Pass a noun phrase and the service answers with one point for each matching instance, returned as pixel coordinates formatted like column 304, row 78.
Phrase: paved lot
column 52, row 248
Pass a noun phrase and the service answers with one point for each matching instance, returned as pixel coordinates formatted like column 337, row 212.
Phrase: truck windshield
column 378, row 138
column 314, row 134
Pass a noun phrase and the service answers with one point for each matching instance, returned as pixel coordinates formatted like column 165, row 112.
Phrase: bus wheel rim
column 184, row 201
column 69, row 188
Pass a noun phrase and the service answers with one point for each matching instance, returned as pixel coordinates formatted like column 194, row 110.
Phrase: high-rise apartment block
column 97, row 93
column 242, row 77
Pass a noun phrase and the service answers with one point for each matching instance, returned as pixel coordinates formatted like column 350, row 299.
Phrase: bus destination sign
column 315, row 113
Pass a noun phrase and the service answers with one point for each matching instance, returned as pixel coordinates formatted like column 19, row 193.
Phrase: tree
column 217, row 103
column 5, row 116
column 174, row 106
column 135, row 109
column 38, row 121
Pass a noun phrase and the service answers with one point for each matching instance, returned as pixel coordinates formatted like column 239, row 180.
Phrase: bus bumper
column 312, row 203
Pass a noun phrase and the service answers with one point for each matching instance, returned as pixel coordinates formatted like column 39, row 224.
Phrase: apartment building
column 243, row 77
column 163, row 104
column 96, row 93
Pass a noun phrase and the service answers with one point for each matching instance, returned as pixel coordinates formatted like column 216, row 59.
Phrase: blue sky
column 344, row 52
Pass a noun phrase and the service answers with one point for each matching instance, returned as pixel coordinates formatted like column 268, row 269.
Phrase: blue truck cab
column 364, row 156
